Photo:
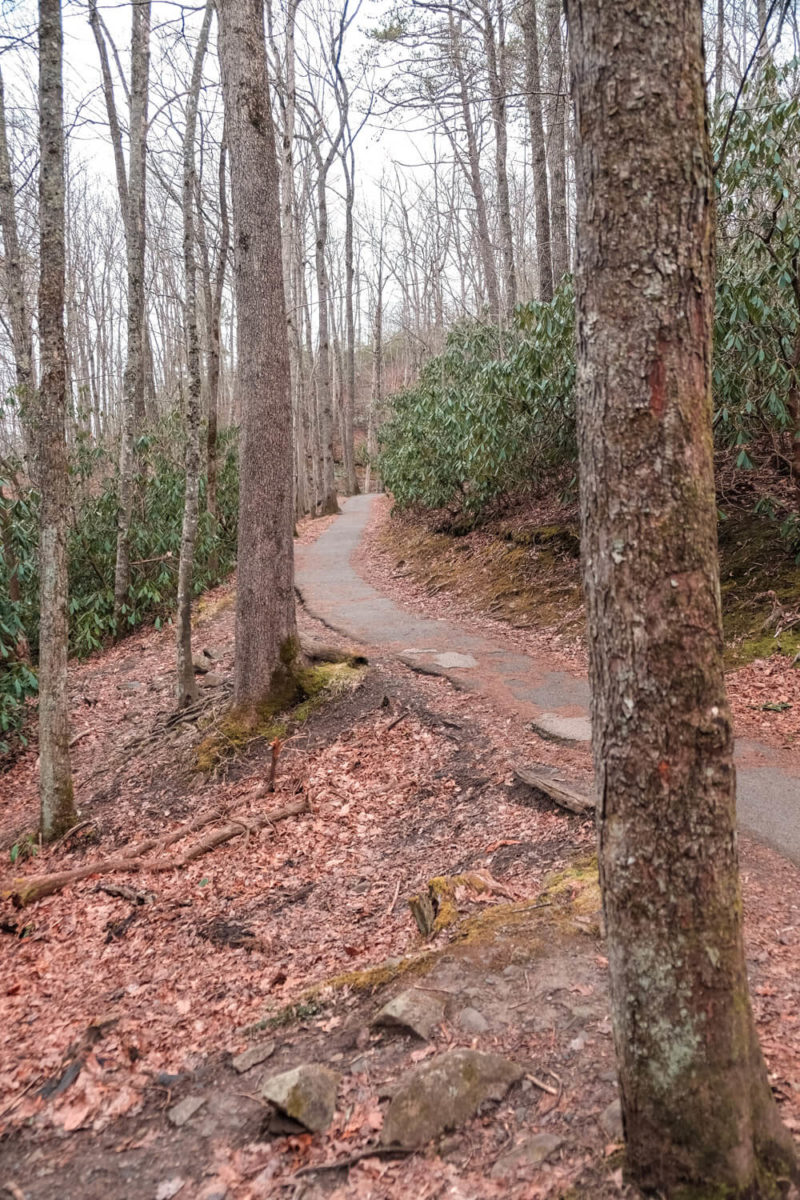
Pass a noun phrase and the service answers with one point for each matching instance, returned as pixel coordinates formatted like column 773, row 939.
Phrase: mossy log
column 26, row 890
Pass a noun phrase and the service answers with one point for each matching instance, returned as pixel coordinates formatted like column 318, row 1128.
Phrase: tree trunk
column 349, row 398
column 18, row 309
column 698, row 1112
column 533, row 87
column 330, row 504
column 556, row 142
column 55, row 776
column 473, row 173
column 719, row 50
column 133, row 406
column 265, row 616
column 495, row 65
column 377, row 378
column 186, row 688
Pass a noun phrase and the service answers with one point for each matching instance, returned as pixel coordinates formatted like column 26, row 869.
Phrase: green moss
column 293, row 697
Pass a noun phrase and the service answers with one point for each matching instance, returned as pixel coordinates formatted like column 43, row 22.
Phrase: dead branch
column 24, row 891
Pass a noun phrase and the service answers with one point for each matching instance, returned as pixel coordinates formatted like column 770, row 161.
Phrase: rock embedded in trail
column 532, row 1152
column 419, row 1012
column 180, row 1113
column 472, row 1021
column 307, row 1094
column 443, row 1093
column 252, row 1057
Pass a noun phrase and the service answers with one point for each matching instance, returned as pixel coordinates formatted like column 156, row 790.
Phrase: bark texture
column 133, row 203
column 18, row 310
column 556, row 141
column 186, row 688
column 698, row 1112
column 55, row 777
column 533, row 85
column 265, row 617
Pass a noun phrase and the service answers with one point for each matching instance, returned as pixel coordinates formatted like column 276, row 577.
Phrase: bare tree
column 265, row 615
column 533, row 84
column 55, row 776
column 698, row 1112
column 186, row 686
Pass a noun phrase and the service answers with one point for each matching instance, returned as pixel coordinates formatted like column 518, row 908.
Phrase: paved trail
column 556, row 702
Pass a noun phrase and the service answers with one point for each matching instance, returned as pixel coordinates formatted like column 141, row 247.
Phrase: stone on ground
column 180, row 1113
column 443, row 1093
column 563, row 729
column 307, row 1094
column 532, row 1152
column 419, row 1012
column 252, row 1057
column 610, row 1121
column 472, row 1021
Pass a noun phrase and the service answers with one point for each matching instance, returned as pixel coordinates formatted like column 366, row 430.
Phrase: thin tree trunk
column 18, row 309
column 533, row 87
column 698, row 1112
column 349, row 397
column 377, row 377
column 556, row 142
column 719, row 50
column 330, row 503
column 495, row 65
column 55, row 776
column 186, row 688
column 265, row 616
column 133, row 406
column 474, row 175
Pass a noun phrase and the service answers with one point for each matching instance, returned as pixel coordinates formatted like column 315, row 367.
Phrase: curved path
column 555, row 702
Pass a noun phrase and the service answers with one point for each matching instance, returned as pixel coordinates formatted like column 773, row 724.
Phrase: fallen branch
column 24, row 891
column 580, row 802
column 345, row 1163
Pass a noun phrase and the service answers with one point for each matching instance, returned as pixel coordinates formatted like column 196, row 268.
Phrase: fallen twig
column 345, row 1163
column 397, row 720
column 70, row 833
column 390, row 909
column 545, row 1087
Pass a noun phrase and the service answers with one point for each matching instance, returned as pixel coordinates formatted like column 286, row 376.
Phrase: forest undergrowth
column 125, row 995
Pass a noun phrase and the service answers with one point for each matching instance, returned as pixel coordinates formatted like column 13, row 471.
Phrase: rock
column 450, row 659
column 169, row 1187
column 443, row 1093
column 252, row 1057
column 201, row 664
column 563, row 729
column 610, row 1121
column 307, row 1094
column 419, row 1012
column 472, row 1021
column 180, row 1113
column 210, row 679
column 532, row 1152
column 212, row 652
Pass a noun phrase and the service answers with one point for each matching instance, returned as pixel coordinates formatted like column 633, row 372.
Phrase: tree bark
column 330, row 503
column 698, row 1113
column 556, row 141
column 349, row 397
column 265, row 615
column 133, row 391
column 473, row 173
column 186, row 688
column 495, row 66
column 533, row 87
column 55, row 776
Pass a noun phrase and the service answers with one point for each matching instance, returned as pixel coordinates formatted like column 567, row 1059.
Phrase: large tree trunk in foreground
column 265, row 618
column 698, row 1112
column 55, row 777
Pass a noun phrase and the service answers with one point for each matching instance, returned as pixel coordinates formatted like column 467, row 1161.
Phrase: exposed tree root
column 24, row 891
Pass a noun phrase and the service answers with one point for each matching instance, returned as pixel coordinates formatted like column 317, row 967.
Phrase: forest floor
column 122, row 1014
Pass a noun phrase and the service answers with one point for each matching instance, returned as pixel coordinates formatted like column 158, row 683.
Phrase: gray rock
column 419, row 1012
column 443, row 1093
column 252, row 1057
column 532, row 1152
column 563, row 729
column 210, row 679
column 472, row 1021
column 610, row 1121
column 201, row 664
column 307, row 1094
column 450, row 659
column 185, row 1110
